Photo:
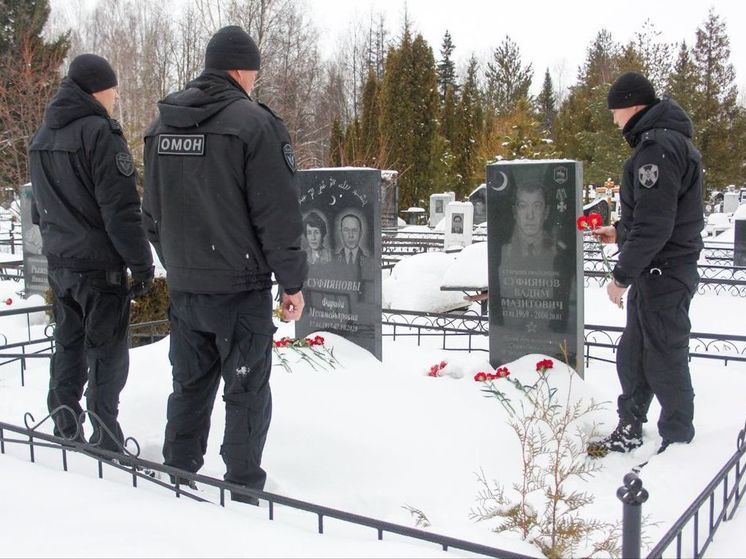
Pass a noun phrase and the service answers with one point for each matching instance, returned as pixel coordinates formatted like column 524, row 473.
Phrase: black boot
column 190, row 483
column 248, row 499
column 625, row 438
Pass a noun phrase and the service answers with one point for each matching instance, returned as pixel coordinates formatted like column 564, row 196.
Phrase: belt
column 658, row 265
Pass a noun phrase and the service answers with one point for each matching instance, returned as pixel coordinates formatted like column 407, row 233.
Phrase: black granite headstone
column 342, row 237
column 535, row 260
column 739, row 244
column 34, row 262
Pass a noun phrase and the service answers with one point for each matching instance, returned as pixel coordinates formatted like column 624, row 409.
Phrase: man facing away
column 659, row 239
column 221, row 208
column 88, row 212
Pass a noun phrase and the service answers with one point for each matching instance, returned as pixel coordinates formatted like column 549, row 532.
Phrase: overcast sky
column 551, row 34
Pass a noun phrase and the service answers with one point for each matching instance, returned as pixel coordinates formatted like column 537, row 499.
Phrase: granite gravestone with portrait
column 34, row 262
column 341, row 211
column 458, row 225
column 535, row 260
column 438, row 203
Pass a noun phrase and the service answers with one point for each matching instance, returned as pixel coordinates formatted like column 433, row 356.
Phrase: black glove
column 142, row 282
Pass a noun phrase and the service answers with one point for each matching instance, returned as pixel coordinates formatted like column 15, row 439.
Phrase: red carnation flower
column 503, row 372
column 595, row 220
column 8, row 301
column 480, row 377
column 544, row 365
column 583, row 223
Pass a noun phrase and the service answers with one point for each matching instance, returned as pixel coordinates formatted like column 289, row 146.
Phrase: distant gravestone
column 438, row 203
column 730, row 202
column 535, row 260
column 389, row 199
column 341, row 211
column 459, row 225
column 739, row 240
column 478, row 198
column 600, row 206
column 415, row 216
column 34, row 262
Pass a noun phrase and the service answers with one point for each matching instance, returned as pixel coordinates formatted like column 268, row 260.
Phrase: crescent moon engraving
column 504, row 183
column 334, row 200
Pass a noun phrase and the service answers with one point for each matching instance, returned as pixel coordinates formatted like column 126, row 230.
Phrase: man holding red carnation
column 659, row 239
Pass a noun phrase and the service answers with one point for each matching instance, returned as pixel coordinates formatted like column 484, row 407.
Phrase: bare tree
column 27, row 82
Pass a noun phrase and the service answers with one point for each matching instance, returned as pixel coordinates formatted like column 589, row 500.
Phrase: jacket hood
column 667, row 113
column 71, row 103
column 204, row 97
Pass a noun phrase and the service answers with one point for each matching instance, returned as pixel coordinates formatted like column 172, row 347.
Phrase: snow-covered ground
column 370, row 438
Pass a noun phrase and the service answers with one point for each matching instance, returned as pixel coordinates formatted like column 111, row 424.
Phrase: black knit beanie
column 231, row 48
column 92, row 73
column 629, row 90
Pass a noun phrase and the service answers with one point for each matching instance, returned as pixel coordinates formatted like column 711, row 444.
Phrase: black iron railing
column 454, row 326
column 695, row 530
column 457, row 331
column 145, row 470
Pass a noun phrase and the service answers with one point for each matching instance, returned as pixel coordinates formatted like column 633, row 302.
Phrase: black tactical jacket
column 83, row 180
column 221, row 201
column 661, row 195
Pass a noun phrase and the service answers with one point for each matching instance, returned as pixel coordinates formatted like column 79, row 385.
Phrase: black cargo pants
column 91, row 311
column 214, row 336
column 653, row 354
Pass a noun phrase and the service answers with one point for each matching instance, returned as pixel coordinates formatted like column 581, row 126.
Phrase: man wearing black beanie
column 88, row 212
column 659, row 237
column 221, row 208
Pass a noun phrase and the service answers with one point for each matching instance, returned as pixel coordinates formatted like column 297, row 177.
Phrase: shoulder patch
column 124, row 162
column 289, row 155
column 648, row 175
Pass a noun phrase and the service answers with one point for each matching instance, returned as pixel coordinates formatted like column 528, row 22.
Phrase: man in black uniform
column 659, row 239
column 88, row 211
column 221, row 208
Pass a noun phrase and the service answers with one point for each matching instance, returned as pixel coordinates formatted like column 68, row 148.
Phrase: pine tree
column 546, row 104
column 600, row 61
column 336, row 145
column 629, row 60
column 716, row 106
column 370, row 144
column 446, row 68
column 409, row 117
column 448, row 116
column 583, row 128
column 468, row 133
column 28, row 78
column 683, row 81
column 655, row 56
column 352, row 144
column 520, row 135
column 508, row 80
